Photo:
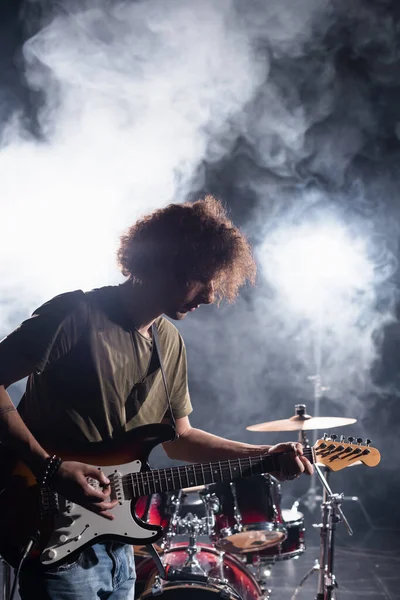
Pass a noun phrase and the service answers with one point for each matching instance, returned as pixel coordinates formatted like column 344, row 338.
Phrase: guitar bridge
column 49, row 505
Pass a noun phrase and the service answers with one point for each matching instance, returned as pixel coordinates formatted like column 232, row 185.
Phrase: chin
column 175, row 315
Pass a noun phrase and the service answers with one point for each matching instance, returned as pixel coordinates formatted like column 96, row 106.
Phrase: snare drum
column 229, row 577
column 249, row 517
column 292, row 547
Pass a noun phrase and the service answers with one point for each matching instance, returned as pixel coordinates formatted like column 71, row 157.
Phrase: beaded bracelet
column 53, row 463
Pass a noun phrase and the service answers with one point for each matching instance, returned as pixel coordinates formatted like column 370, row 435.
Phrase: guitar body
column 65, row 528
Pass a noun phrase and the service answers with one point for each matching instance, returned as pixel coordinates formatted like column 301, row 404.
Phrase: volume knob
column 51, row 554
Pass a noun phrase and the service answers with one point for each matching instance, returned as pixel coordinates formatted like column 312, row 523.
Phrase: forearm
column 15, row 435
column 197, row 445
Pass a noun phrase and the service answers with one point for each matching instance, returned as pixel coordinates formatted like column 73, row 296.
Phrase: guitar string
column 224, row 464
column 256, row 460
column 141, row 478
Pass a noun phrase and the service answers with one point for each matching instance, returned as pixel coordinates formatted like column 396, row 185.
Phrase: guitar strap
column 157, row 346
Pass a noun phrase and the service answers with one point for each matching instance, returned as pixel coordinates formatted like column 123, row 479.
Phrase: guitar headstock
column 337, row 455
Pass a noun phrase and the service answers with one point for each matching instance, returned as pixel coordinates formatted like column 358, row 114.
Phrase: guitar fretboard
column 144, row 483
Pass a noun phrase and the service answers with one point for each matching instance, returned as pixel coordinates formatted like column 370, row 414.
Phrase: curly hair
column 194, row 241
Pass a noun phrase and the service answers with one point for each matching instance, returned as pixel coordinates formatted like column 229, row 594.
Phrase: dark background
column 316, row 138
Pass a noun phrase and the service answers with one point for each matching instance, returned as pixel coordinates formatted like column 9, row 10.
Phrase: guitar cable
column 26, row 549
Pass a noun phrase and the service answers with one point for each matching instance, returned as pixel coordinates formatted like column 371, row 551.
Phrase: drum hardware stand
column 193, row 526
column 332, row 514
column 6, row 587
column 212, row 506
column 173, row 525
column 311, row 498
column 262, row 573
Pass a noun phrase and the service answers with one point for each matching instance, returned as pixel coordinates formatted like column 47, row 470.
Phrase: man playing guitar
column 94, row 376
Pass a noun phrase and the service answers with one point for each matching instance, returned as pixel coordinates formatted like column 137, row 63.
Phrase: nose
column 208, row 296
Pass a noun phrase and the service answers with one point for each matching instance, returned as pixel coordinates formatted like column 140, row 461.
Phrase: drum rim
column 202, row 547
column 268, row 526
column 221, row 554
column 299, row 524
column 193, row 585
column 222, row 542
column 283, row 556
column 196, row 585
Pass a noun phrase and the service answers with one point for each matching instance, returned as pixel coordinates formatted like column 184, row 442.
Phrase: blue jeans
column 105, row 571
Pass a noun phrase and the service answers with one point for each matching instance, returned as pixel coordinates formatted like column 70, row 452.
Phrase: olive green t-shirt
column 94, row 376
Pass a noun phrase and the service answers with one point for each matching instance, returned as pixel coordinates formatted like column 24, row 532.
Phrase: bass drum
column 231, row 580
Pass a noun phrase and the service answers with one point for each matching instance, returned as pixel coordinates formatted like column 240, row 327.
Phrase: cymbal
column 305, row 422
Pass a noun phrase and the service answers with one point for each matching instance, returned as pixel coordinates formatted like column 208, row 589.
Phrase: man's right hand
column 70, row 481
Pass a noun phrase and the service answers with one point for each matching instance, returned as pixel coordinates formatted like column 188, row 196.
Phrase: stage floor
column 361, row 574
column 362, row 571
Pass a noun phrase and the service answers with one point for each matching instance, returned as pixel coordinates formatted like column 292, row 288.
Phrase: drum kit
column 221, row 540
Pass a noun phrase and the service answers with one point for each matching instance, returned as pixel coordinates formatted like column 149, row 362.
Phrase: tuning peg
column 351, row 439
column 359, row 441
column 342, row 438
column 367, row 442
column 334, row 437
column 325, row 436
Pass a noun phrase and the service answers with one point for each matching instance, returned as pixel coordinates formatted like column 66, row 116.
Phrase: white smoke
column 137, row 96
column 134, row 94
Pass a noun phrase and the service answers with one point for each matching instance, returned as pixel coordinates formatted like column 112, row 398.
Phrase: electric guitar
column 61, row 528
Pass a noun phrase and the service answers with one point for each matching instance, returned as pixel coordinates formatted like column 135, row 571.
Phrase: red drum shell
column 258, row 501
column 293, row 546
column 215, row 564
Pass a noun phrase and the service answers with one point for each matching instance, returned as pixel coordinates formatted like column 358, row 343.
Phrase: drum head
column 252, row 538
column 292, row 516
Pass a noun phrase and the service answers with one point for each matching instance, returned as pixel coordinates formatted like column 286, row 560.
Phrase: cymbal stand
column 332, row 514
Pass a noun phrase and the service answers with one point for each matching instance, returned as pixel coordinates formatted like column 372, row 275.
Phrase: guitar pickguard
column 76, row 527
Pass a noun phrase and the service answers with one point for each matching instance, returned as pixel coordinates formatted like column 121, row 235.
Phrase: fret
column 202, row 473
column 155, row 486
column 230, row 470
column 148, row 482
column 220, row 470
column 166, row 480
column 187, row 476
column 171, row 484
column 141, row 492
column 211, row 473
column 180, row 480
column 251, row 467
column 192, row 481
column 215, row 465
column 240, row 467
column 194, row 475
column 235, row 468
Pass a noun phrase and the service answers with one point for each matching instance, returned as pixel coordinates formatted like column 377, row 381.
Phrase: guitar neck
column 144, row 483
